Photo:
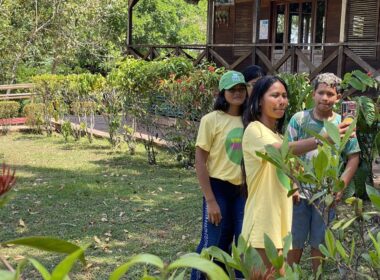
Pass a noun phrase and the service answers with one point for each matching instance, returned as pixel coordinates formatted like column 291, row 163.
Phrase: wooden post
column 255, row 20
column 210, row 22
column 210, row 27
column 342, row 33
column 293, row 60
column 131, row 4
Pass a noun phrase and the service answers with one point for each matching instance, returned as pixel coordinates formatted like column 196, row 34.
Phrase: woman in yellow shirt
column 217, row 161
column 268, row 209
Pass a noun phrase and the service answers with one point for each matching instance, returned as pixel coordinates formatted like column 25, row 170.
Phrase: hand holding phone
column 348, row 109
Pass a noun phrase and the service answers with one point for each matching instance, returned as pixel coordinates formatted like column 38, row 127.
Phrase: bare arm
column 300, row 147
column 303, row 146
column 213, row 209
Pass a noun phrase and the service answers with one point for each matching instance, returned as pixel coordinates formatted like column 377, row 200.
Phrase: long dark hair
column 222, row 104
column 253, row 110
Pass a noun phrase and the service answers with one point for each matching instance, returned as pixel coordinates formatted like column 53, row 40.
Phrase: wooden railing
column 292, row 52
column 11, row 96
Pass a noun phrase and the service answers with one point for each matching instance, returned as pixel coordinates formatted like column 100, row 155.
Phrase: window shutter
column 362, row 25
column 243, row 27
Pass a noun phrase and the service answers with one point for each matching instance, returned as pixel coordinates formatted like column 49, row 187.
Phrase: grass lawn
column 87, row 193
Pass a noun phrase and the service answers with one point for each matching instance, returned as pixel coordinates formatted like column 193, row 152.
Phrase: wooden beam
column 14, row 96
column 219, row 58
column 181, row 51
column 341, row 61
column 283, row 59
column 16, row 86
column 305, row 60
column 342, row 30
column 132, row 3
column 324, row 64
column 342, row 38
column 240, row 60
column 266, row 61
column 134, row 52
column 199, row 58
column 359, row 61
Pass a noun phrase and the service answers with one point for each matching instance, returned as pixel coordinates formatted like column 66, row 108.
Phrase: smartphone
column 348, row 111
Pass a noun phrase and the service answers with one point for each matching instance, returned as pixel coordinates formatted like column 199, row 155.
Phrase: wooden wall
column 228, row 34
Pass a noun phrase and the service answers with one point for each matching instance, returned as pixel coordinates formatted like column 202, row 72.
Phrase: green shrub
column 9, row 109
column 34, row 113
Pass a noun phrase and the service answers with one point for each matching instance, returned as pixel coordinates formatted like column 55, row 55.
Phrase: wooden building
column 287, row 35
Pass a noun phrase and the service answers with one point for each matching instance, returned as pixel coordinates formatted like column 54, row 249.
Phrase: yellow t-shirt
column 268, row 209
column 220, row 134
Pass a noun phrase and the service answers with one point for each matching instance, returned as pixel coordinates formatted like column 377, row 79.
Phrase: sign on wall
column 264, row 29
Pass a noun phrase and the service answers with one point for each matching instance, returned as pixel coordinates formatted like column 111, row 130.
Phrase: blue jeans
column 231, row 203
column 308, row 225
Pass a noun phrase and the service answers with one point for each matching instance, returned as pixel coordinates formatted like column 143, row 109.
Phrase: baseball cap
column 231, row 79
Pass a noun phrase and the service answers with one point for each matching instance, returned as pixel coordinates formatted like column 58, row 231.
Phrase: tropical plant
column 34, row 113
column 368, row 125
column 353, row 243
column 192, row 96
column 300, row 93
column 8, row 109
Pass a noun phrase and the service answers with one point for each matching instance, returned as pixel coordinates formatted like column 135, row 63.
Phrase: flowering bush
column 192, row 96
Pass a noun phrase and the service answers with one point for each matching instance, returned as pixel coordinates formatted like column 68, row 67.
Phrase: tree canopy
column 67, row 36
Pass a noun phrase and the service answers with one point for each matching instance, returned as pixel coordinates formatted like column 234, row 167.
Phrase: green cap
column 231, row 79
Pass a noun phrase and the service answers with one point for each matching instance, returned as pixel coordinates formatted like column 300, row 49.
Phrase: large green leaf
column 270, row 249
column 321, row 163
column 274, row 153
column 269, row 159
column 46, row 243
column 7, row 275
column 213, row 271
column 180, row 276
column 374, row 196
column 341, row 251
column 332, row 131
column 377, row 143
column 62, row 270
column 347, row 135
column 287, row 244
column 285, row 146
column 364, row 78
column 367, row 109
column 330, row 242
column 375, row 244
column 139, row 259
column 222, row 256
column 41, row 269
column 252, row 260
column 355, row 83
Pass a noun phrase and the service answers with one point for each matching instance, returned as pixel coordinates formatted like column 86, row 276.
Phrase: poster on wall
column 224, row 2
column 264, row 29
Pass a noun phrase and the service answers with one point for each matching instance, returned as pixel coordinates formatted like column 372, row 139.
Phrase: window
column 295, row 22
column 362, row 25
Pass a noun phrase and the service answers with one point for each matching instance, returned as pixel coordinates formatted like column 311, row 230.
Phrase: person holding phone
column 308, row 225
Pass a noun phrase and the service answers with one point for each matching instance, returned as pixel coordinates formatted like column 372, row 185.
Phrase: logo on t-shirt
column 233, row 145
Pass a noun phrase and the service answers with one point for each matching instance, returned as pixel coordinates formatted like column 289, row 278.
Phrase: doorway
column 302, row 23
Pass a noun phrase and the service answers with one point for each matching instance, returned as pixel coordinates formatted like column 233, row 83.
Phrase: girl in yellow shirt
column 218, row 157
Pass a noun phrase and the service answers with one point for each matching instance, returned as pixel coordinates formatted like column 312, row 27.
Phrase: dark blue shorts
column 308, row 225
